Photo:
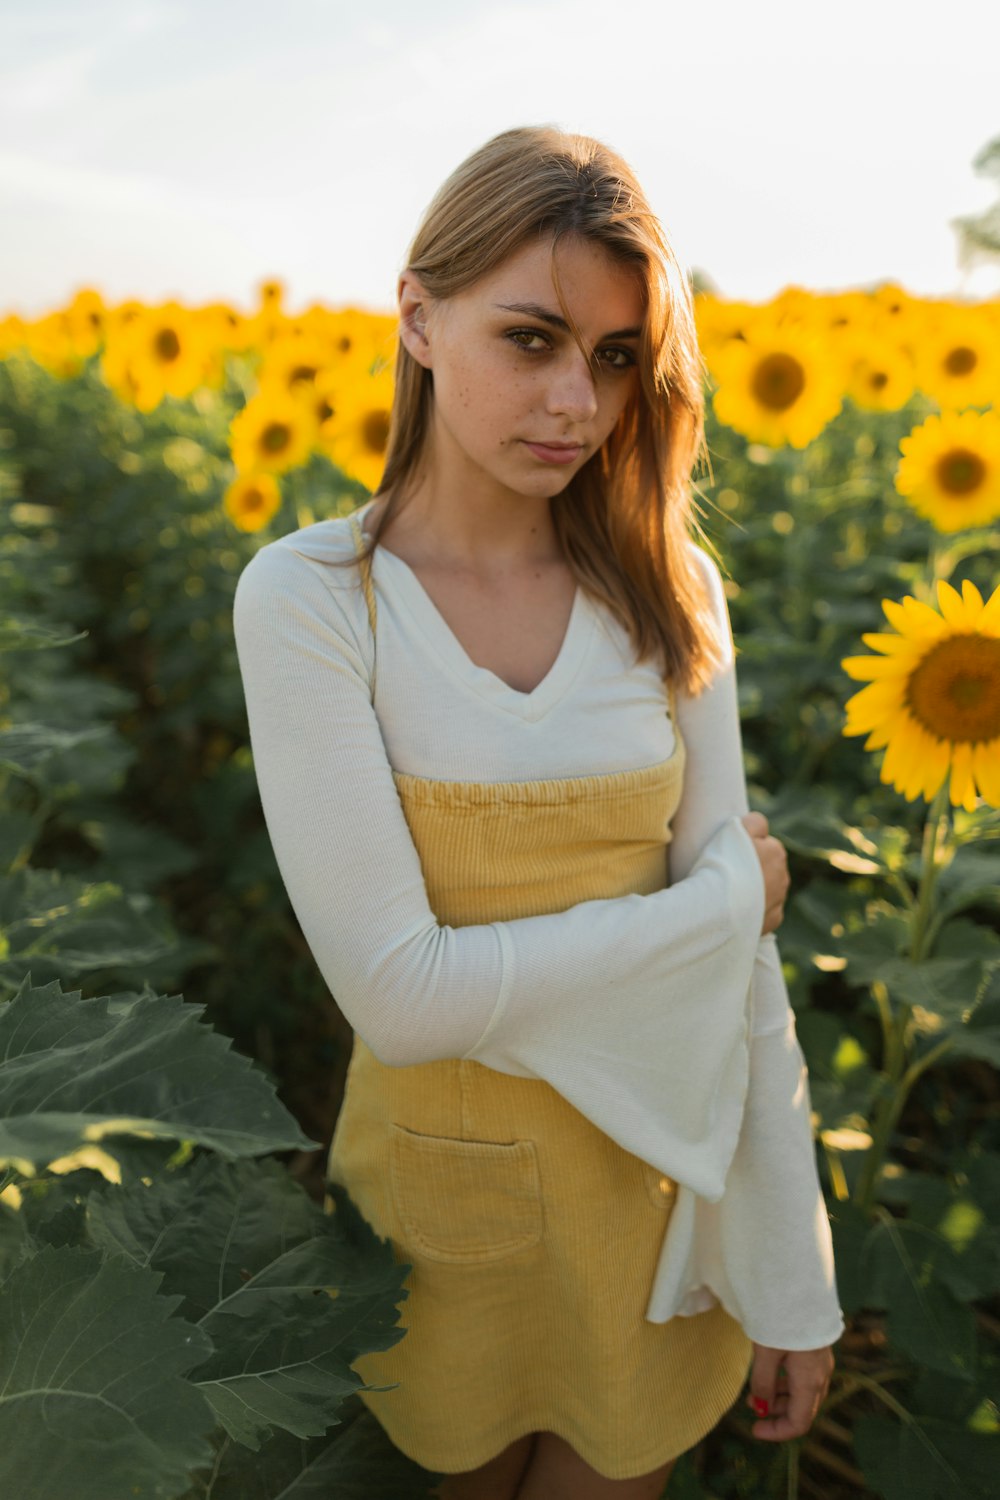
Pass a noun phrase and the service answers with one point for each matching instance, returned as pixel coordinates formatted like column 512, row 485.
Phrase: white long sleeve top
column 664, row 1018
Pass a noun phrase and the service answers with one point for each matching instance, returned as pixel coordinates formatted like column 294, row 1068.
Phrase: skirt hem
column 630, row 1468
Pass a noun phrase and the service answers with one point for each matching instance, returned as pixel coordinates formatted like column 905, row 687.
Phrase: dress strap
column 365, row 565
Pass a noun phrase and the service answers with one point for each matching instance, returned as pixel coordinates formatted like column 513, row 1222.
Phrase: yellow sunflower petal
column 937, row 761
column 926, row 769
column 951, row 605
column 986, row 768
column 875, row 702
column 920, row 620
column 889, row 644
column 963, row 787
column 909, row 766
column 870, row 667
column 971, row 596
column 989, row 620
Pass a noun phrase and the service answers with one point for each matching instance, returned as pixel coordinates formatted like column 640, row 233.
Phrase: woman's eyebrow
column 535, row 310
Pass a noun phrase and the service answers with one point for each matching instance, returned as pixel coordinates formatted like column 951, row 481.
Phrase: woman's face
column 517, row 406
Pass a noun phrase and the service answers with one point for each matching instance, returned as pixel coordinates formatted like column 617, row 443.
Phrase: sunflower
column 933, row 696
column 274, row 431
column 292, row 363
column 356, row 436
column 159, row 351
column 50, row 344
column 950, row 470
column 251, row 500
column 957, row 358
column 778, row 385
column 879, row 371
column 86, row 317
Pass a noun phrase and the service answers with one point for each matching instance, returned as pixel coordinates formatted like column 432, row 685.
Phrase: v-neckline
column 486, row 684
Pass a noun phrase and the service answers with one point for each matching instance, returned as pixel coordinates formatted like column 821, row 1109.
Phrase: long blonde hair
column 626, row 519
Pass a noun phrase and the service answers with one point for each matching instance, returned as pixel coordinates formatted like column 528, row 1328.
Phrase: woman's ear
column 413, row 303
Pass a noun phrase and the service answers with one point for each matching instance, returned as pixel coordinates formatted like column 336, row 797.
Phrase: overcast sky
column 190, row 148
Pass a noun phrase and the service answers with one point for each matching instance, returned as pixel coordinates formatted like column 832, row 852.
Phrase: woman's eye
column 519, row 334
column 622, row 359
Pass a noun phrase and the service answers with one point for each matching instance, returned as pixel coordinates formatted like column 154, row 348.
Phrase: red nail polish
column 760, row 1406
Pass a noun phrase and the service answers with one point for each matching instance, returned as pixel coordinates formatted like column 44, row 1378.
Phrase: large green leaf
column 25, row 748
column 971, row 879
column 264, row 1250
column 842, row 1082
column 857, row 1275
column 93, row 1400
column 63, row 927
column 19, row 829
column 956, row 1234
column 924, row 1459
column 358, row 1463
column 925, row 1319
column 945, row 986
column 75, row 1073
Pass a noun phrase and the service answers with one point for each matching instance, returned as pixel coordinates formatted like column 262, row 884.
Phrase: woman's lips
column 551, row 455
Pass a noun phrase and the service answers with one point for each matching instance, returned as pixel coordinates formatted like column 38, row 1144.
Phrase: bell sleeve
column 763, row 1248
column 634, row 1008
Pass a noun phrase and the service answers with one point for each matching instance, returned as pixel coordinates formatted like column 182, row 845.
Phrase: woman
column 494, row 726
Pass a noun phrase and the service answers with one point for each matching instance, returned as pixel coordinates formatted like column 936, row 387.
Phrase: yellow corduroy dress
column 532, row 1235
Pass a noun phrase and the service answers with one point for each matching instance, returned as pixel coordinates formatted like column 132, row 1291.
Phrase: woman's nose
column 572, row 392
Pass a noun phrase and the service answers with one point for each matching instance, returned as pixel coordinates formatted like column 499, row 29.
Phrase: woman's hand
column 787, row 1389
column 774, row 865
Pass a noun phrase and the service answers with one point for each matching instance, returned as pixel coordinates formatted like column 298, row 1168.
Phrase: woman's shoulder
column 304, row 577
column 324, row 548
column 330, row 541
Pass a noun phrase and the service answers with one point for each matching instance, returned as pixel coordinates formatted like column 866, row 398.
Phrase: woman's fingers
column 774, row 868
column 791, row 1416
column 755, row 824
column 773, row 917
column 795, row 1389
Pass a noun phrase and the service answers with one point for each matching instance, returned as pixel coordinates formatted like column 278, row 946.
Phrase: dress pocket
column 465, row 1202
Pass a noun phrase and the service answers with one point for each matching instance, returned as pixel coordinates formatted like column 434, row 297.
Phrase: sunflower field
column 179, row 1308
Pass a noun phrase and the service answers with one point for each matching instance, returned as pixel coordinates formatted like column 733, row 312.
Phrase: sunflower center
column 302, row 374
column 275, row 437
column 778, row 381
column 878, row 380
column 375, row 431
column 961, row 471
column 960, row 361
column 252, row 499
column 954, row 691
column 167, row 345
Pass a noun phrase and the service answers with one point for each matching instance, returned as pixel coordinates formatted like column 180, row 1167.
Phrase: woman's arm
column 634, row 1008
column 766, row 1246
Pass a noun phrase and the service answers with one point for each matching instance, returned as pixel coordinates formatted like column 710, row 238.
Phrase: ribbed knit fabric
column 533, row 1237
column 620, row 998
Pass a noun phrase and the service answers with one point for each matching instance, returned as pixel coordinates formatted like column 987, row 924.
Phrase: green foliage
column 135, row 866
column 77, row 1071
column 178, row 1317
column 174, row 1317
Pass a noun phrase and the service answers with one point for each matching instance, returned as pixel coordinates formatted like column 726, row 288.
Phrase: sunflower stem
column 881, row 997
column 930, row 867
column 915, row 1069
column 897, row 1077
column 887, row 1112
column 792, row 1478
column 939, row 561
